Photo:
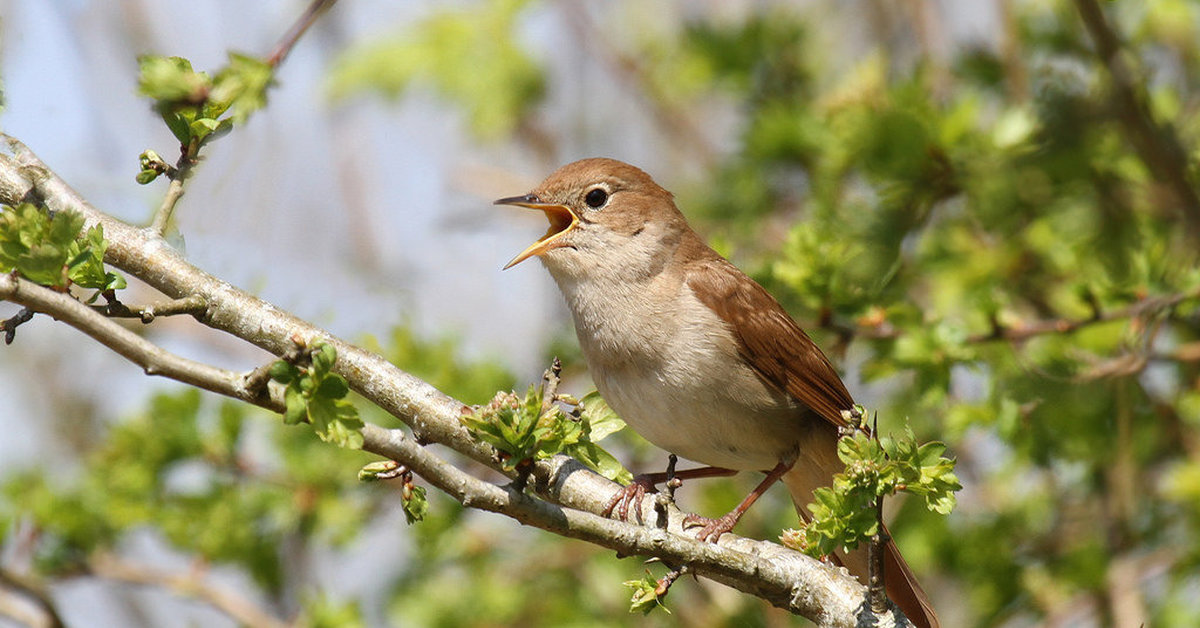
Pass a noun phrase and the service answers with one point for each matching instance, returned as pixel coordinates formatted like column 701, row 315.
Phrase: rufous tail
column 900, row 582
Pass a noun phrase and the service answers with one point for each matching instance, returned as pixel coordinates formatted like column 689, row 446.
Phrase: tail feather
column 900, row 582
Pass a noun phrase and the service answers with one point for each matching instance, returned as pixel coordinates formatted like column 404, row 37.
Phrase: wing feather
column 769, row 339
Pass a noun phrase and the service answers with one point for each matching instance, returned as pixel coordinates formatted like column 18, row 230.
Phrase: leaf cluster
column 532, row 428
column 198, row 107
column 51, row 248
column 413, row 498
column 845, row 514
column 316, row 395
column 185, row 468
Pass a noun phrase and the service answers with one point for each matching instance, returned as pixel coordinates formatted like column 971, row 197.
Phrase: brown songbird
column 693, row 354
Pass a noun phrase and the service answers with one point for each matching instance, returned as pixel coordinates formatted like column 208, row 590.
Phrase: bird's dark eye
column 596, row 198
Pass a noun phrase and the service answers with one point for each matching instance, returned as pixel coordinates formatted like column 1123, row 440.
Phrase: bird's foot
column 711, row 529
column 631, row 495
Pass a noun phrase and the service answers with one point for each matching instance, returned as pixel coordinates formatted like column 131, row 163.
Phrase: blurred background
column 993, row 238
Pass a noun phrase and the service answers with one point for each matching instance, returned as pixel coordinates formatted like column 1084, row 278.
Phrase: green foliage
column 532, row 428
column 415, row 504
column 647, row 595
column 48, row 248
column 967, row 229
column 469, row 57
column 194, row 105
column 316, row 395
column 182, row 468
column 322, row 612
column 843, row 515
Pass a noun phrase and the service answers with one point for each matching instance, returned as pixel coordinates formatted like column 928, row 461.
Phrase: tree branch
column 191, row 585
column 1023, row 331
column 1156, row 145
column 153, row 359
column 32, row 592
column 297, row 30
column 147, row 313
column 783, row 577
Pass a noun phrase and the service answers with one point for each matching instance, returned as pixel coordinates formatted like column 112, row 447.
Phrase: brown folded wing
column 769, row 339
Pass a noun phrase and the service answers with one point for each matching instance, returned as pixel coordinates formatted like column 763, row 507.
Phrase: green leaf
column 179, row 122
column 283, row 372
column 416, row 506
column 241, row 86
column 50, row 250
column 600, row 418
column 646, row 596
column 297, row 410
column 333, row 386
column 323, row 357
column 171, row 79
column 200, row 128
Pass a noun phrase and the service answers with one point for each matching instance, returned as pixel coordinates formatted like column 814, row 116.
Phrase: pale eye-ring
column 596, row 198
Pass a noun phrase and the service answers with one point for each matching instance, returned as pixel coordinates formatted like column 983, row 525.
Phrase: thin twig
column 288, row 41
column 153, row 359
column 161, row 220
column 1156, row 144
column 9, row 325
column 1024, row 331
column 191, row 585
column 629, row 69
column 147, row 313
column 189, row 154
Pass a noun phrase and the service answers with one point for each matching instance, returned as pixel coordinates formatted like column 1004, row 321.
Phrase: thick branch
column 786, row 579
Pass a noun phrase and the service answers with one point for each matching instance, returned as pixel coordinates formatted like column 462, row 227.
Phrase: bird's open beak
column 562, row 220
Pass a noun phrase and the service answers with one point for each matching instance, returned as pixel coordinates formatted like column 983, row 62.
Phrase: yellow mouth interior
column 561, row 221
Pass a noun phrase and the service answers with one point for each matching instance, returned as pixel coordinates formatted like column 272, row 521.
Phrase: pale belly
column 709, row 415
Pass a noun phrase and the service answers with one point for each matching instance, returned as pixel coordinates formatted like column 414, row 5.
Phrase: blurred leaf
column 470, row 58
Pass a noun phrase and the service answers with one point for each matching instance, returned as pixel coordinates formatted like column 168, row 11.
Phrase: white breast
column 669, row 366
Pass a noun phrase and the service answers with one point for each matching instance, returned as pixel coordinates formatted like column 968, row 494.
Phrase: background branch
column 1156, row 144
column 190, row 585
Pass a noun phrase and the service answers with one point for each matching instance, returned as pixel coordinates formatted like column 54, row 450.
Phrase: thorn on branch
column 10, row 325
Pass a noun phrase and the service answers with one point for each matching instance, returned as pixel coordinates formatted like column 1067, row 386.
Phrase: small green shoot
column 529, row 429
column 844, row 515
column 316, row 395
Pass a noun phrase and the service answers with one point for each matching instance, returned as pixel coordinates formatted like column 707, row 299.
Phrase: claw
column 631, row 495
column 711, row 530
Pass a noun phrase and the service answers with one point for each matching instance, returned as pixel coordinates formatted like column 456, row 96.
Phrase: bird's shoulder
column 768, row 338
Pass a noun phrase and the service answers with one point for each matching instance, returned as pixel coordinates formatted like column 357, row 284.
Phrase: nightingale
column 694, row 355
